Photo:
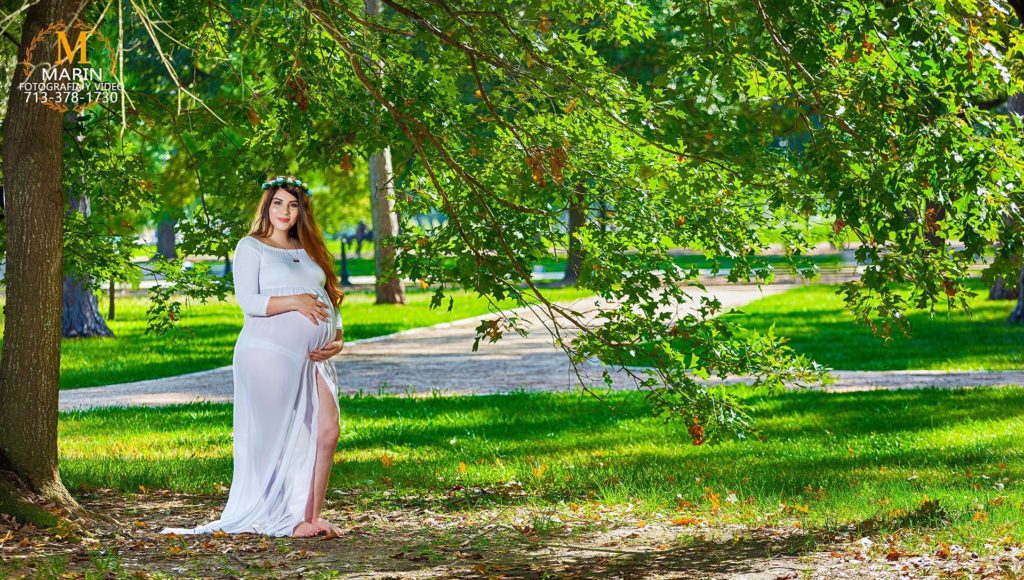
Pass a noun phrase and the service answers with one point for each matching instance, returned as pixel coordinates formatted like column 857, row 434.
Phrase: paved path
column 440, row 358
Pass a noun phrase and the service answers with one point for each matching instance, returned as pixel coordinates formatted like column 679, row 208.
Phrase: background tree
column 1010, row 284
column 388, row 285
column 577, row 216
column 107, row 199
column 80, row 316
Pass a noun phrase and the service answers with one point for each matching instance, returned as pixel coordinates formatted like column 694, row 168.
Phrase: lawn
column 928, row 465
column 365, row 266
column 211, row 330
column 823, row 261
column 815, row 319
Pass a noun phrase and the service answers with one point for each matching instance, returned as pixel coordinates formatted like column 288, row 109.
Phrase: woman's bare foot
column 326, row 526
column 306, row 530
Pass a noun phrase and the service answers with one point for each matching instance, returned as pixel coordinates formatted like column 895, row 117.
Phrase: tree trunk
column 385, row 221
column 30, row 366
column 165, row 238
column 1000, row 289
column 390, row 290
column 1017, row 316
column 81, row 316
column 935, row 215
column 577, row 217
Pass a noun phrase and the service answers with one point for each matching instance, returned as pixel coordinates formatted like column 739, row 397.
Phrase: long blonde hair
column 305, row 229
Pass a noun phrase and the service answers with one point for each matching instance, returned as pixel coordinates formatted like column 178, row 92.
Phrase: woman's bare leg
column 327, row 442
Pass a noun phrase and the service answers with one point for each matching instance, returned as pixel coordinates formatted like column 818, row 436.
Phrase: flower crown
column 287, row 180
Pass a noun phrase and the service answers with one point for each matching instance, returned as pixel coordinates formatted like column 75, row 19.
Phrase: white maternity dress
column 276, row 404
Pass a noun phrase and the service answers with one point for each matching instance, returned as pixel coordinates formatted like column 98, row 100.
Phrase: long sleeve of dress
column 246, row 273
column 337, row 319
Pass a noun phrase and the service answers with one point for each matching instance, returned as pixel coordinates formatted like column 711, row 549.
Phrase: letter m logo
column 64, row 50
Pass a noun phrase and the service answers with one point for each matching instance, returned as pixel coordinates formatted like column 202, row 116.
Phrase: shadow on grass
column 881, row 411
column 381, row 421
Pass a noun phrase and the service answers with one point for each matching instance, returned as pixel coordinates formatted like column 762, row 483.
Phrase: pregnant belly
column 291, row 330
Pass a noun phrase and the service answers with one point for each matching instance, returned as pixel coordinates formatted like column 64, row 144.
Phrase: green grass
column 814, row 317
column 149, row 250
column 365, row 266
column 823, row 261
column 816, row 232
column 210, row 332
column 870, row 459
column 356, row 266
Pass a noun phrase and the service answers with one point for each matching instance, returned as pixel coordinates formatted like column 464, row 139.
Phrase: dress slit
column 315, row 428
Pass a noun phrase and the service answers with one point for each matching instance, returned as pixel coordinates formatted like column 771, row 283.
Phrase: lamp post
column 344, row 263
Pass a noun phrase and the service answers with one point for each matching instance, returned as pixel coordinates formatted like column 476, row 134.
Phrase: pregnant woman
column 286, row 410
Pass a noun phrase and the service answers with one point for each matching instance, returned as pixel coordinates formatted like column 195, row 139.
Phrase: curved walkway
column 440, row 359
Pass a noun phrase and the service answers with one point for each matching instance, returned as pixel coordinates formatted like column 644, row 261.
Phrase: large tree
column 32, row 178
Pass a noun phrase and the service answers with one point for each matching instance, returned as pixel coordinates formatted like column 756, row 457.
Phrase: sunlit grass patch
column 816, row 321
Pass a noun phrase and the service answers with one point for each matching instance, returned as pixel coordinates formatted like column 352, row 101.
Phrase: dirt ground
column 427, row 538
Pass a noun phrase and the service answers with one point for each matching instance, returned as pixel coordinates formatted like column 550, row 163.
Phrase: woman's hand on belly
column 331, row 349
column 308, row 305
